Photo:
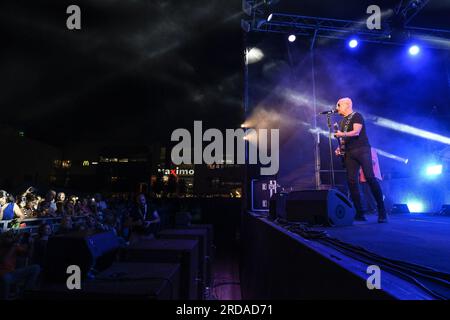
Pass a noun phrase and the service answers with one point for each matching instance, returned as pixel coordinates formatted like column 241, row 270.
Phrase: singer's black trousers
column 362, row 158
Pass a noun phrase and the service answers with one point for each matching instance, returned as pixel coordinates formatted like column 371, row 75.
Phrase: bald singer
column 352, row 132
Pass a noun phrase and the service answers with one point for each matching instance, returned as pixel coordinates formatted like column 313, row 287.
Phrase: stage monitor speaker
column 445, row 210
column 400, row 208
column 88, row 250
column 318, row 207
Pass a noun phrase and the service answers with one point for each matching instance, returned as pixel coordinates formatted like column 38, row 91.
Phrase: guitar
column 341, row 145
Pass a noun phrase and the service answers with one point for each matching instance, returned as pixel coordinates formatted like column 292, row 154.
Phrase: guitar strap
column 347, row 122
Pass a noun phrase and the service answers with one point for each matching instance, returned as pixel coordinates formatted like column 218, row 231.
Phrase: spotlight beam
column 386, row 123
column 379, row 151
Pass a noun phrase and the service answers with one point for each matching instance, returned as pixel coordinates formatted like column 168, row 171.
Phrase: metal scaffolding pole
column 318, row 182
column 341, row 29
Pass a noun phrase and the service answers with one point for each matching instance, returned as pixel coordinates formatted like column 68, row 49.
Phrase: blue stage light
column 353, row 43
column 414, row 50
column 292, row 38
column 433, row 170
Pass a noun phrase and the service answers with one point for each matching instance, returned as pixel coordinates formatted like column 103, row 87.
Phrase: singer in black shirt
column 355, row 142
column 358, row 154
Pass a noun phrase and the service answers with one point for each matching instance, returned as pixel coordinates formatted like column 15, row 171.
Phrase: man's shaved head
column 344, row 106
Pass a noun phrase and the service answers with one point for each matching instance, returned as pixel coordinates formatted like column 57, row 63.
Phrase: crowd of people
column 22, row 254
column 53, row 204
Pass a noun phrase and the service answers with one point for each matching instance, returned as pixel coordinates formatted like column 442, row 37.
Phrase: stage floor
column 415, row 238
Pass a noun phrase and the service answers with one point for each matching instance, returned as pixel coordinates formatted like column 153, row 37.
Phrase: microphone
column 329, row 111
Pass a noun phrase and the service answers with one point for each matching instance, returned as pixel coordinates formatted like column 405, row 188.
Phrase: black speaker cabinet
column 210, row 248
column 318, row 207
column 277, row 205
column 121, row 281
column 88, row 250
column 184, row 252
column 201, row 236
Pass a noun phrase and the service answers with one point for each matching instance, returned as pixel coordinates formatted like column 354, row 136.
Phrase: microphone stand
column 331, row 149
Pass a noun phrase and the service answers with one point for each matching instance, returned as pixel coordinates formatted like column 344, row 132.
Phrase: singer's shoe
column 382, row 217
column 360, row 217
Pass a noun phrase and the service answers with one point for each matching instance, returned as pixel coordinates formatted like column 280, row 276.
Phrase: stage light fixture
column 254, row 55
column 433, row 170
column 415, row 206
column 414, row 50
column 353, row 43
column 292, row 38
column 270, row 17
column 245, row 25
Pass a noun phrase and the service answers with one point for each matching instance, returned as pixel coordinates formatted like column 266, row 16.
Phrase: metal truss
column 407, row 10
column 342, row 29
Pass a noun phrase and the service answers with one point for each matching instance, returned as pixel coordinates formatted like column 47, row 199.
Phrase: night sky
column 134, row 72
column 138, row 68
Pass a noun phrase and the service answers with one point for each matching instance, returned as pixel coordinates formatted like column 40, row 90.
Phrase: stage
column 415, row 238
column 289, row 261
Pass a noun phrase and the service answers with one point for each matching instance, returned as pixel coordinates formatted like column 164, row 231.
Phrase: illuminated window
column 57, row 163
column 66, row 164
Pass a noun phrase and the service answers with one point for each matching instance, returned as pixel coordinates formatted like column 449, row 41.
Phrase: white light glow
column 386, row 123
column 414, row 50
column 254, row 55
column 415, row 206
column 434, row 170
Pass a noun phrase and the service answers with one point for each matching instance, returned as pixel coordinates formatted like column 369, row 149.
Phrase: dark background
column 135, row 71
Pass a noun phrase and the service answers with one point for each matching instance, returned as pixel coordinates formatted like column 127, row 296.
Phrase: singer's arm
column 357, row 127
